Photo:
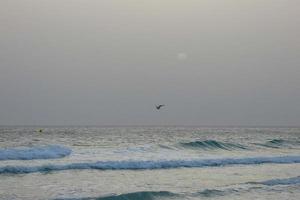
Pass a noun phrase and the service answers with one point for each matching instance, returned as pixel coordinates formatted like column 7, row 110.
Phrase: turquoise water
column 149, row 163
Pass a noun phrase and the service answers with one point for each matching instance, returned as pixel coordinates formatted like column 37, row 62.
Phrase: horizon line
column 159, row 125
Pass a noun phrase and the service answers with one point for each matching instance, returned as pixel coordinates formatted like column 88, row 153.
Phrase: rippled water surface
column 149, row 163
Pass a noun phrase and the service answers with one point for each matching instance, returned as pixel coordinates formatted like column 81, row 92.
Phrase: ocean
column 145, row 163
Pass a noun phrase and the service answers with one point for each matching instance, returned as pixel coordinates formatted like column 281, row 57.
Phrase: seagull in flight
column 159, row 106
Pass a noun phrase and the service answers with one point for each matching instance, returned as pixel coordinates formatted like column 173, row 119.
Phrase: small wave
column 206, row 193
column 44, row 152
column 287, row 181
column 151, row 164
column 247, row 187
column 212, row 144
column 278, row 143
column 211, row 193
column 143, row 195
column 137, row 149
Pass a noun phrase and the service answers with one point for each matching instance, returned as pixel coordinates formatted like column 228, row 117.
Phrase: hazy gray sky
column 102, row 62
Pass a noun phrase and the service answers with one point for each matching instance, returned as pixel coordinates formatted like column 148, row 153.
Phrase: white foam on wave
column 151, row 164
column 30, row 153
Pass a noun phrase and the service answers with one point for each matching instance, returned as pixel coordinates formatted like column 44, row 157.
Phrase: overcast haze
column 108, row 62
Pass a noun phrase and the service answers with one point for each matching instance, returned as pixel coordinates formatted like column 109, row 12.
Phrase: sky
column 109, row 62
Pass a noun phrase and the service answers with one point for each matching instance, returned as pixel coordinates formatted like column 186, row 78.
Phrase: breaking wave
column 43, row 152
column 150, row 164
column 212, row 144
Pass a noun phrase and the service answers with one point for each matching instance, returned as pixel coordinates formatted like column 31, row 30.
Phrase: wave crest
column 151, row 164
column 212, row 144
column 143, row 195
column 286, row 181
column 44, row 152
column 211, row 193
column 278, row 143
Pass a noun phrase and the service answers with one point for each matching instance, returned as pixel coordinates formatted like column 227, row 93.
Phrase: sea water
column 149, row 163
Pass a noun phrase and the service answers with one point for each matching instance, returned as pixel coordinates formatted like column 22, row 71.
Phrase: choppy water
column 149, row 163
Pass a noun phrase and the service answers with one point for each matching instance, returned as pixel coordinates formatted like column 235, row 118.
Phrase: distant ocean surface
column 145, row 163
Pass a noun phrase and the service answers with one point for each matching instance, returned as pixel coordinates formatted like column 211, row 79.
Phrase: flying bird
column 159, row 106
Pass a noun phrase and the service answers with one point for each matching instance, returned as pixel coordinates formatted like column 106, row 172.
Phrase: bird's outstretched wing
column 159, row 106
